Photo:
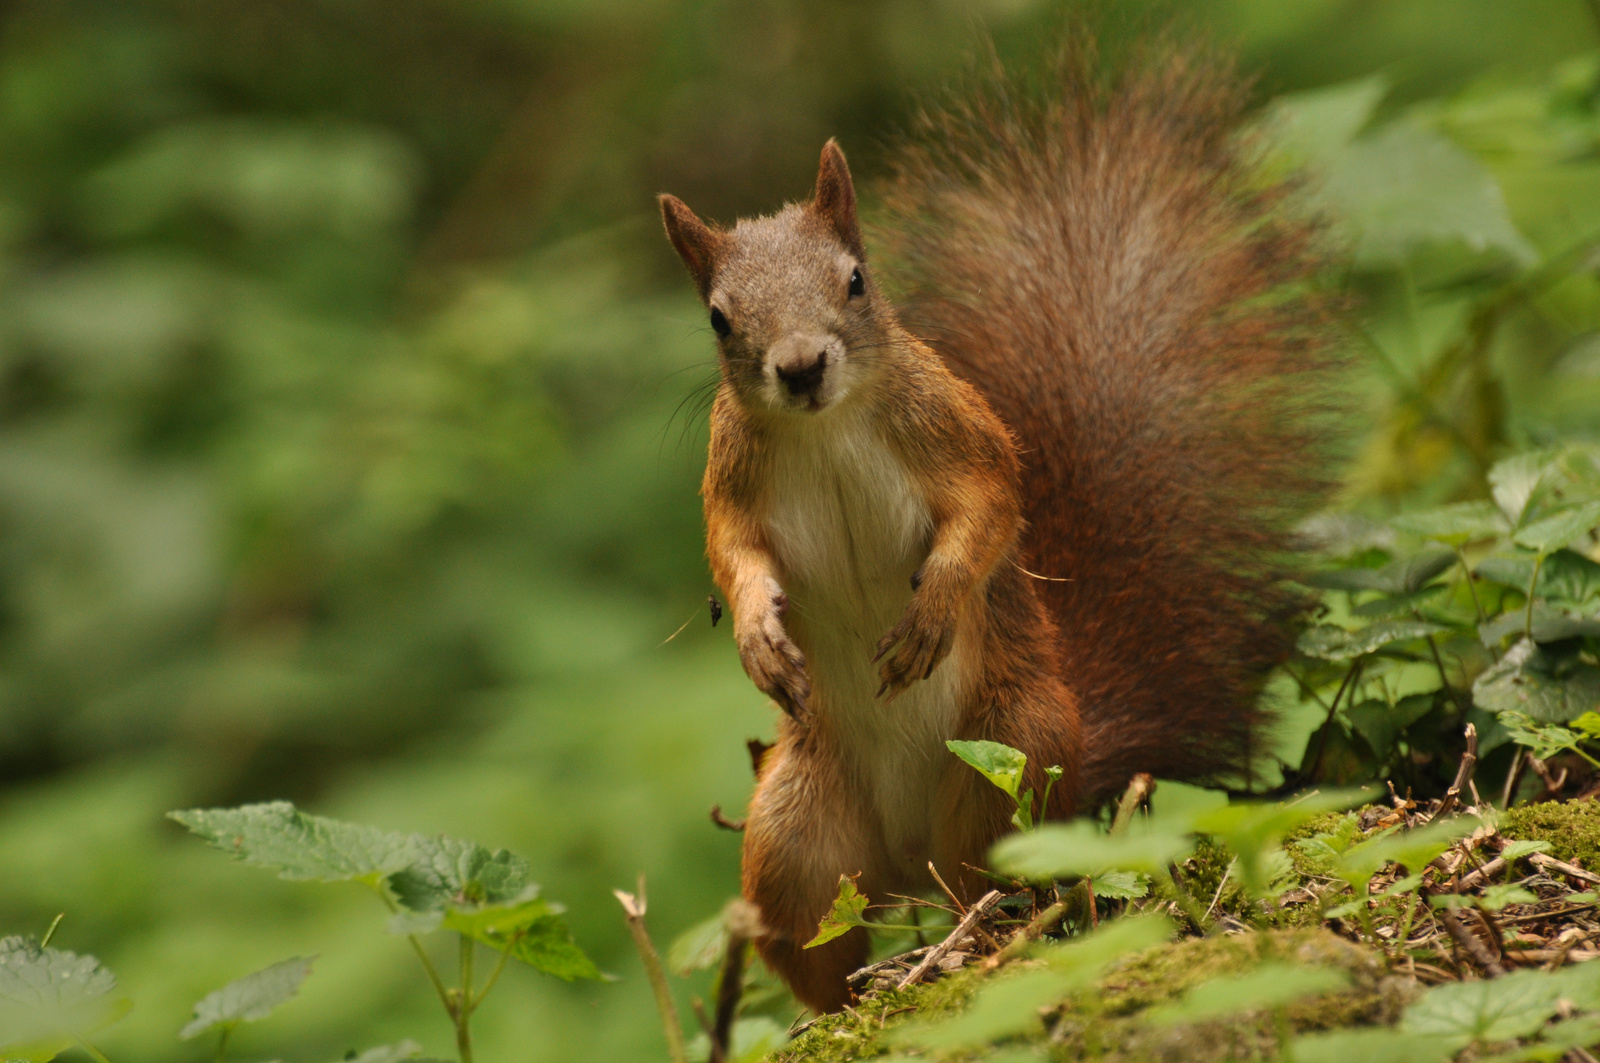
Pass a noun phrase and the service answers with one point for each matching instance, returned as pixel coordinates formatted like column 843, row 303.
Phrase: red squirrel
column 1053, row 515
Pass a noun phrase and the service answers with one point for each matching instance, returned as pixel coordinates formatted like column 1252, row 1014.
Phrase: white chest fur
column 849, row 526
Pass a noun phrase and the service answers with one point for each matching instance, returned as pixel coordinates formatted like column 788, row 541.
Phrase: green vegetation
column 350, row 424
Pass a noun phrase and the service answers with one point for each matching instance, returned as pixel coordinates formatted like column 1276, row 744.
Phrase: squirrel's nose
column 802, row 374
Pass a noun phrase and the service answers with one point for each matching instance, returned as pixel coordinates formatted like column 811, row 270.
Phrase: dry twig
column 962, row 930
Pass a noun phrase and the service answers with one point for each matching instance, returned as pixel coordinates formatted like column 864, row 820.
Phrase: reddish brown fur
column 1096, row 266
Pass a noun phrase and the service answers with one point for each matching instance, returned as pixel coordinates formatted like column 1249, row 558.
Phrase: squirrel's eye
column 719, row 323
column 858, row 284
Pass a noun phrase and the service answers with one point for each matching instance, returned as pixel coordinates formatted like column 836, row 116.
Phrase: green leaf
column 1254, row 830
column 1499, row 895
column 1588, row 724
column 1407, row 187
column 1330, row 643
column 1518, row 849
column 1374, row 1046
column 1514, row 1006
column 1403, row 577
column 1549, row 534
column 1546, row 688
column 1569, row 579
column 299, row 846
column 1268, row 986
column 1455, row 525
column 51, row 998
column 1411, row 849
column 529, row 930
column 1007, row 1006
column 998, row 763
column 253, row 997
column 1382, row 724
column 1549, row 625
column 1313, row 126
column 1516, row 481
column 845, row 913
column 1121, row 885
column 447, row 871
column 699, row 948
column 1060, row 850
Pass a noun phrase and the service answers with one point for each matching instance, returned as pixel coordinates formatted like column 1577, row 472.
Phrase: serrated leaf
column 1060, row 850
column 845, row 913
column 1570, row 580
column 998, row 763
column 51, row 998
column 1545, row 688
column 1513, row 1006
column 1501, row 894
column 1549, row 534
column 1374, row 1046
column 1522, row 847
column 1455, row 525
column 1406, row 576
column 1329, row 643
column 530, row 930
column 1121, row 885
column 1268, row 986
column 448, row 871
column 1315, row 125
column 251, row 998
column 300, row 846
column 1381, row 724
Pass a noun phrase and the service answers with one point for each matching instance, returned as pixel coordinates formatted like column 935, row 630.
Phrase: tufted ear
column 835, row 199
column 698, row 244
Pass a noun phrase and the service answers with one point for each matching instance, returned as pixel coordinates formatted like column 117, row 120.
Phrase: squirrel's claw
column 919, row 643
column 777, row 667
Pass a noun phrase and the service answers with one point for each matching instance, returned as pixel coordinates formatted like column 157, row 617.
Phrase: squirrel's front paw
column 773, row 662
column 919, row 642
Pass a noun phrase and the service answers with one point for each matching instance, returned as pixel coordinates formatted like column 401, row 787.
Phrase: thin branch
column 1140, row 787
column 730, row 988
column 941, row 950
column 1042, row 924
column 1469, row 762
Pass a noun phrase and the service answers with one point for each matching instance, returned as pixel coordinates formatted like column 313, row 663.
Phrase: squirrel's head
column 798, row 319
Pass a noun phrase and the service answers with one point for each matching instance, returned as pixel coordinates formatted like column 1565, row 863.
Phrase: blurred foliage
column 349, row 430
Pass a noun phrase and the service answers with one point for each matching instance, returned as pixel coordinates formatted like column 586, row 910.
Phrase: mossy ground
column 1115, row 1029
column 1572, row 829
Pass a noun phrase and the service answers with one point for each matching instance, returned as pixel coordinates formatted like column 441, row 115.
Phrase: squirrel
column 1054, row 512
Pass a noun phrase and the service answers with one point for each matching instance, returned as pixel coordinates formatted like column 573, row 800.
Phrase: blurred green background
column 350, row 425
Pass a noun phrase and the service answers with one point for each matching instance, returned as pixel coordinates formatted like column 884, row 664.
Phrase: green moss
column 1114, row 1027
column 1572, row 829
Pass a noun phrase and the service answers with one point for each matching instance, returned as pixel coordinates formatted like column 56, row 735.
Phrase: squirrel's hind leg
column 803, row 832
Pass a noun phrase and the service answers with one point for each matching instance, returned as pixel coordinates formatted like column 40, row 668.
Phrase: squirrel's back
column 1108, row 264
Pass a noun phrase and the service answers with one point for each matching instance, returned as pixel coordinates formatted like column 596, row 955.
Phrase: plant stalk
column 633, row 907
column 94, row 1053
column 464, row 1003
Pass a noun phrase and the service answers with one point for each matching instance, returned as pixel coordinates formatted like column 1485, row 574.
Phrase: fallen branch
column 1140, row 787
column 1042, row 924
column 962, row 930
column 1570, row 870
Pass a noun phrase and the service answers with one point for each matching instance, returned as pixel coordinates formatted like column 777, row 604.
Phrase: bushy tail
column 1108, row 263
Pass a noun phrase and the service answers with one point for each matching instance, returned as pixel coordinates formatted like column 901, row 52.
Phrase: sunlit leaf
column 1121, row 885
column 845, row 913
column 1457, row 524
column 1254, row 830
column 527, row 929
column 448, row 871
column 998, row 763
column 1549, row 534
column 1060, row 850
column 1515, row 482
column 249, row 999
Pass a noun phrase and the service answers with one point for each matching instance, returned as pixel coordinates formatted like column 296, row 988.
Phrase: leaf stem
column 48, row 934
column 464, row 1003
column 222, row 1041
column 422, row 954
column 494, row 975
column 1527, row 618
column 94, row 1052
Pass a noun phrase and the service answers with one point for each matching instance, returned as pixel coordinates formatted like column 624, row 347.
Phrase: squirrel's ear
column 698, row 244
column 835, row 200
